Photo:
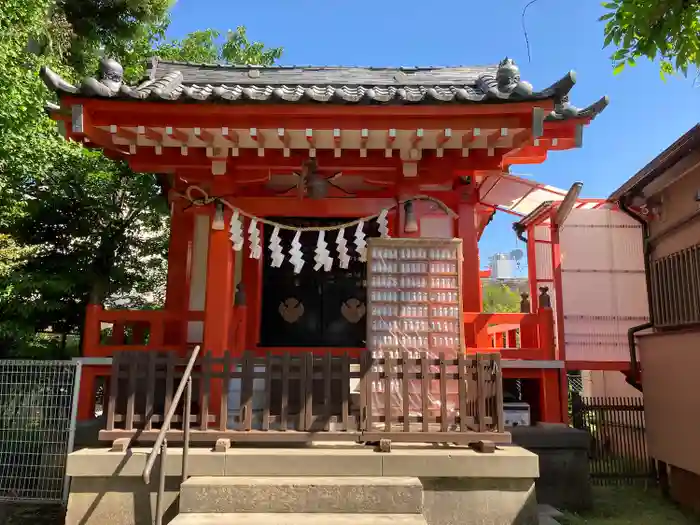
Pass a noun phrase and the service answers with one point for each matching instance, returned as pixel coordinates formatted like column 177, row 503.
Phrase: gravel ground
column 16, row 514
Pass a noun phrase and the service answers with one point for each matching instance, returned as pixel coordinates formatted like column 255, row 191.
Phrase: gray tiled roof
column 176, row 81
column 204, row 74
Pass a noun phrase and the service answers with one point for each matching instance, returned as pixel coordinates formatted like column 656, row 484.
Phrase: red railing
column 528, row 336
column 108, row 331
column 515, row 335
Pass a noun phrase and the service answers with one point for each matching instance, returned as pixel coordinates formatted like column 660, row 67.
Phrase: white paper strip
column 383, row 223
column 276, row 248
column 360, row 243
column 295, row 255
column 236, row 231
column 254, row 240
column 322, row 255
column 342, row 246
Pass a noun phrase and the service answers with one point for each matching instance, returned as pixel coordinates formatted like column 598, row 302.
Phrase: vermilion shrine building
column 317, row 148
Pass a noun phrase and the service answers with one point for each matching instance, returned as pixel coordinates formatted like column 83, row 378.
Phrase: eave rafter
column 374, row 166
column 145, row 145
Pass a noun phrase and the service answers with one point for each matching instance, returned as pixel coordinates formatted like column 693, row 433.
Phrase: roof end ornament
column 111, row 79
column 108, row 85
column 506, row 82
column 563, row 109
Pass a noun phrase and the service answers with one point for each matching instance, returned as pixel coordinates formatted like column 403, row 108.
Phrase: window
column 675, row 288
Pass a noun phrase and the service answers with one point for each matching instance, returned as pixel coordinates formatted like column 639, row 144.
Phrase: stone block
column 564, row 480
column 479, row 501
column 118, row 501
column 348, row 495
column 509, row 462
column 339, row 461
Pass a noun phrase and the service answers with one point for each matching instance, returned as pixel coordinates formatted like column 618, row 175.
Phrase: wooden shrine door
column 313, row 308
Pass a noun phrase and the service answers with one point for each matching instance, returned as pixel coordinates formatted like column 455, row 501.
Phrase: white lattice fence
column 37, row 425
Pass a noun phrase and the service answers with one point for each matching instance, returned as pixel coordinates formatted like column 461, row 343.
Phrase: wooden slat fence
column 618, row 453
column 304, row 396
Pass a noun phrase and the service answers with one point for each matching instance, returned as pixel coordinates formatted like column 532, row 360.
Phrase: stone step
column 549, row 511
column 299, row 519
column 331, row 495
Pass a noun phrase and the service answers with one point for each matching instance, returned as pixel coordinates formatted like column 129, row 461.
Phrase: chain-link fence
column 37, row 424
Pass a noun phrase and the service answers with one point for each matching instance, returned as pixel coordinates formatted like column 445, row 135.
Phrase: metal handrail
column 160, row 446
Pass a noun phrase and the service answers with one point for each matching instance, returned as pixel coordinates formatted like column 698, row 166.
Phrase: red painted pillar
column 559, row 316
column 512, row 339
column 553, row 408
column 471, row 278
column 91, row 340
column 178, row 289
column 550, row 399
column 118, row 334
column 251, row 278
column 218, row 302
column 532, row 268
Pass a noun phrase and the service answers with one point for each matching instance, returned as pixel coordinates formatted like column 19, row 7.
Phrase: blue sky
column 645, row 114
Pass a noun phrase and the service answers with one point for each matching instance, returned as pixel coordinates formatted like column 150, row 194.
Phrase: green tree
column 499, row 298
column 115, row 27
column 668, row 30
column 204, row 47
column 73, row 223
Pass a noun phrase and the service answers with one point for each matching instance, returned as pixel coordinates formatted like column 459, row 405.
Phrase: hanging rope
column 206, row 199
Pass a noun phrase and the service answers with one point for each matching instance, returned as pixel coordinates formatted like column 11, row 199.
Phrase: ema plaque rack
column 414, row 291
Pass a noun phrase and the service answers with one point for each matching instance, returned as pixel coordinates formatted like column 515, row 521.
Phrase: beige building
column 665, row 196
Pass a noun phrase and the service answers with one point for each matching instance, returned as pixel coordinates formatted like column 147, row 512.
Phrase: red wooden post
column 559, row 305
column 138, row 332
column 178, row 284
column 218, row 302
column 546, row 332
column 550, row 393
column 471, row 281
column 241, row 332
column 117, row 334
column 157, row 333
column 238, row 336
column 532, row 267
column 91, row 340
column 251, row 279
column 471, row 276
column 498, row 340
column 512, row 339
column 528, row 325
column 550, row 398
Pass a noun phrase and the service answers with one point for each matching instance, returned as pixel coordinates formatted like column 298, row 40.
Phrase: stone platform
column 564, row 480
column 415, row 484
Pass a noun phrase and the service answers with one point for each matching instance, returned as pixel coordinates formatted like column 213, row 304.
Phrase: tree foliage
column 204, row 47
column 499, row 298
column 73, row 223
column 668, row 30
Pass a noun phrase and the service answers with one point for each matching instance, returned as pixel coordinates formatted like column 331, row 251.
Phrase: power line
column 522, row 22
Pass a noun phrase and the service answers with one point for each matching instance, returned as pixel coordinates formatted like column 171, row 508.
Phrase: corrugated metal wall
column 603, row 283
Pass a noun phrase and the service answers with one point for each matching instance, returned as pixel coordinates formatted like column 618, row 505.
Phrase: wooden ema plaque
column 414, row 297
